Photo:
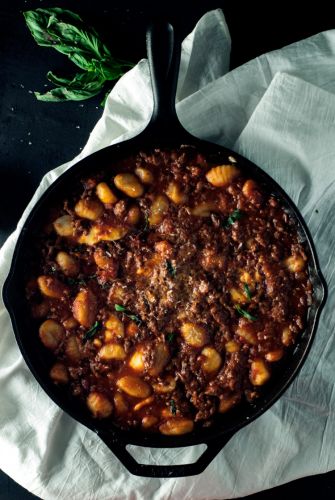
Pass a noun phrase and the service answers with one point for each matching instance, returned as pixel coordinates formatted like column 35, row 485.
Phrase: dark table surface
column 36, row 137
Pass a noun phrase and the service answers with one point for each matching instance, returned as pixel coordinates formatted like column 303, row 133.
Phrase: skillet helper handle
column 163, row 51
column 118, row 447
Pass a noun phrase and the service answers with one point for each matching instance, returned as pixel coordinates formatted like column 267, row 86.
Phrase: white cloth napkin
column 279, row 111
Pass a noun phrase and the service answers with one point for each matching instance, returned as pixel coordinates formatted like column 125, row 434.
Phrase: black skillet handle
column 118, row 447
column 163, row 50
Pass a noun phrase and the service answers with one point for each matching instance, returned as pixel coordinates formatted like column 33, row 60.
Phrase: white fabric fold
column 278, row 110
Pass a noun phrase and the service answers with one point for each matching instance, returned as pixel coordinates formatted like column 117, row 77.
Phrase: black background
column 36, row 137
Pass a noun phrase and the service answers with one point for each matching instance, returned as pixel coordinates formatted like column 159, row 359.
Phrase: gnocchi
column 211, row 359
column 193, row 334
column 129, row 184
column 222, row 175
column 105, row 194
column 59, row 373
column 175, row 193
column 98, row 233
column 134, row 386
column 99, row 405
column 115, row 325
column 259, row 372
column 159, row 207
column 51, row 333
column 64, row 225
column 84, row 307
column 52, row 287
column 67, row 263
column 72, row 349
column 204, row 209
column 144, row 175
column 112, row 351
column 176, row 426
column 295, row 263
column 89, row 209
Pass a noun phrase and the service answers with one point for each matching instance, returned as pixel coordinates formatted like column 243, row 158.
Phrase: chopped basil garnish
column 128, row 313
column 146, row 222
column 92, row 331
column 73, row 281
column 170, row 268
column 170, row 337
column 247, row 291
column 173, row 407
column 105, row 286
column 244, row 313
column 79, row 248
column 134, row 318
column 119, row 308
column 233, row 217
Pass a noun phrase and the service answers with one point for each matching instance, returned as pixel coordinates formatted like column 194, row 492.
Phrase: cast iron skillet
column 164, row 129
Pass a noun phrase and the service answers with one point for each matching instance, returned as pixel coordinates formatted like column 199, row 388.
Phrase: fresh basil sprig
column 66, row 32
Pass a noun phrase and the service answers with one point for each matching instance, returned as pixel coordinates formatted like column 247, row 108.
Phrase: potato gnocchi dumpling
column 99, row 405
column 105, row 194
column 166, row 289
column 51, row 333
column 129, row 184
column 64, row 225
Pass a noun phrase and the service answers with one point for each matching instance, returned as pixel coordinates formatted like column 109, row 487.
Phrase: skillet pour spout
column 163, row 130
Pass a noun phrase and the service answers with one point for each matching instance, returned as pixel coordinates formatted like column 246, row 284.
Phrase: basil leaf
column 170, row 337
column 173, row 407
column 74, row 281
column 247, row 291
column 146, row 222
column 81, row 86
column 233, row 217
column 134, row 318
column 170, row 268
column 119, row 308
column 128, row 313
column 92, row 331
column 244, row 313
